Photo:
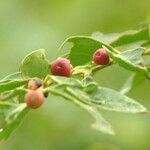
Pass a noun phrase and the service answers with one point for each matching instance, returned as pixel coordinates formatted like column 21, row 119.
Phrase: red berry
column 34, row 99
column 34, row 84
column 61, row 67
column 101, row 57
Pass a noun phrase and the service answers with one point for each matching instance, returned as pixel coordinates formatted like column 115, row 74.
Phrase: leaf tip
column 109, row 130
column 144, row 110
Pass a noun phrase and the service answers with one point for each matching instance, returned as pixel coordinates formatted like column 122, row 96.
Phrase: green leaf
column 91, row 94
column 20, row 96
column 108, row 99
column 13, row 119
column 6, row 105
column 115, row 101
column 127, row 61
column 134, row 56
column 132, row 36
column 12, row 84
column 35, row 65
column 125, row 40
column 14, row 76
column 83, row 48
column 101, row 124
column 65, row 81
column 130, row 46
column 106, row 38
column 89, row 84
column 133, row 81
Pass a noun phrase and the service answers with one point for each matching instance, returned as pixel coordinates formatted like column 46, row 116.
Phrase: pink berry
column 61, row 67
column 34, row 99
column 34, row 84
column 101, row 57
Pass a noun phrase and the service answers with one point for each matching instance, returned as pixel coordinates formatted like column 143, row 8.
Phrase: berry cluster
column 59, row 67
column 63, row 67
column 35, row 97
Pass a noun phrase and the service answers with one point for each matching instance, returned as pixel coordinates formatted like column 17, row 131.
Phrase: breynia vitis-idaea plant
column 70, row 75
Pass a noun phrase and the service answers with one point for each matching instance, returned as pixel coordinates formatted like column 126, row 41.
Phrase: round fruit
column 101, row 57
column 61, row 67
column 34, row 99
column 34, row 84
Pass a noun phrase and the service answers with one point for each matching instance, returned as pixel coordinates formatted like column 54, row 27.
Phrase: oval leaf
column 108, row 99
column 35, row 65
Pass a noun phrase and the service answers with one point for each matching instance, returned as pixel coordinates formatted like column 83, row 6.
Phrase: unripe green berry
column 101, row 57
column 61, row 67
column 34, row 98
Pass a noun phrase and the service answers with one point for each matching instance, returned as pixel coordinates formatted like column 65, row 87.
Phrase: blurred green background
column 27, row 25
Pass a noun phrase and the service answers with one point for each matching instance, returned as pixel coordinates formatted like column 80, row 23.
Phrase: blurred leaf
column 35, row 65
column 13, row 120
column 14, row 76
column 6, row 105
column 125, row 40
column 12, row 84
column 106, row 38
column 131, row 36
column 131, row 46
column 134, row 80
column 100, row 125
column 20, row 96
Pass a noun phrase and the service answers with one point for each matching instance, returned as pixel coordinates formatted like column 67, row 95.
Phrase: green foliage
column 12, row 84
column 35, row 65
column 139, row 37
column 131, row 36
column 80, row 88
column 129, row 62
column 13, row 117
column 133, row 81
column 107, row 99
